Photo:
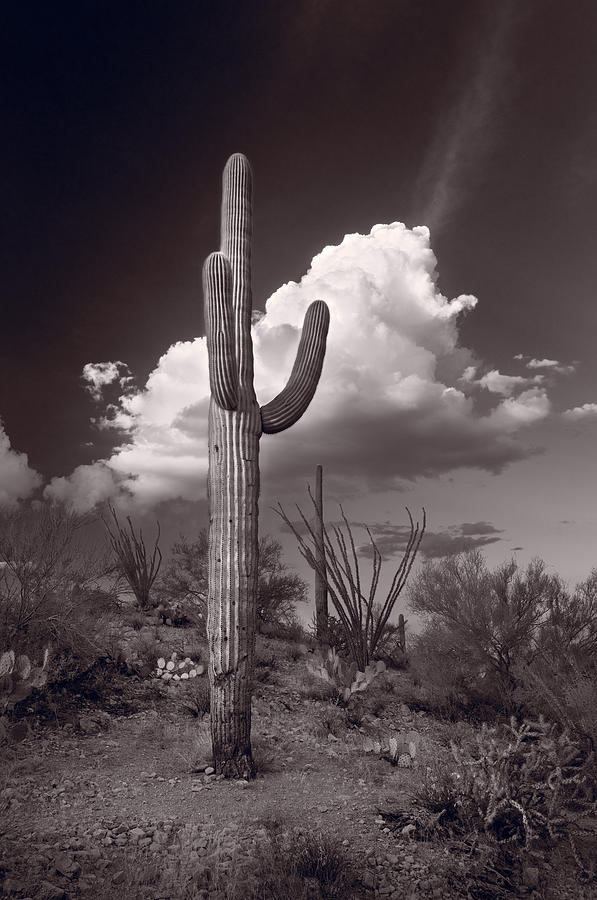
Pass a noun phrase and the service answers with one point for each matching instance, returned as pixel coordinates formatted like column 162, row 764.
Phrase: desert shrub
column 524, row 783
column 565, row 698
column 336, row 636
column 329, row 719
column 134, row 618
column 300, row 864
column 391, row 647
column 194, row 696
column 278, row 591
column 143, row 651
column 313, row 688
column 482, row 624
column 449, row 683
column 182, row 587
column 322, row 858
column 51, row 592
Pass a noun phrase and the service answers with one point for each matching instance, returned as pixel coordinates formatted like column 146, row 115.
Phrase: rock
column 530, row 876
column 63, row 864
column 89, row 725
column 19, row 732
column 136, row 834
column 368, row 880
column 51, row 891
column 209, row 770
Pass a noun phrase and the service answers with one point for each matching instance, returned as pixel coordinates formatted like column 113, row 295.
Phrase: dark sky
column 117, row 119
column 475, row 118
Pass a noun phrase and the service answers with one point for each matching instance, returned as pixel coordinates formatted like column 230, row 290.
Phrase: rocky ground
column 108, row 794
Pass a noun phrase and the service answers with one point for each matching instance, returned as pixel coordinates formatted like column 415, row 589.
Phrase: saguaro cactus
column 236, row 423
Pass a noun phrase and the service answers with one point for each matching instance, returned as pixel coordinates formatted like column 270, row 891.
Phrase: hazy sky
column 427, row 169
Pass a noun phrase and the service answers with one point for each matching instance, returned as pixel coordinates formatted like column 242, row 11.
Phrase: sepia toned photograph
column 298, row 450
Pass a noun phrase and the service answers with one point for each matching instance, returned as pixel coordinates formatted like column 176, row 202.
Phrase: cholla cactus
column 236, row 423
column 18, row 677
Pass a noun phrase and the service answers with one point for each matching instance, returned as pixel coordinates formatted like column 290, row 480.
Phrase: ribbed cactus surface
column 236, row 423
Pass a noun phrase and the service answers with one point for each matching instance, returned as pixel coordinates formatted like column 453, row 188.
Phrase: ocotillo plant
column 321, row 588
column 236, row 423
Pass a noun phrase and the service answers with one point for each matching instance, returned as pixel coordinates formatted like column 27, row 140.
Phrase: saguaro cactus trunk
column 321, row 588
column 236, row 423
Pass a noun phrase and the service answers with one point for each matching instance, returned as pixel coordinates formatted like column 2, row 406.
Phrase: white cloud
column 17, row 479
column 586, row 411
column 497, row 383
column 542, row 364
column 552, row 364
column 98, row 375
column 528, row 408
column 386, row 408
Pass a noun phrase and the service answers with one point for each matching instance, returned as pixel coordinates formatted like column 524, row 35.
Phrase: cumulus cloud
column 578, row 413
column 497, row 383
column 542, row 364
column 388, row 406
column 551, row 364
column 17, row 479
column 98, row 375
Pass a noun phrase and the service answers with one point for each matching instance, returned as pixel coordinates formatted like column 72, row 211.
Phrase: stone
column 368, row 880
column 209, row 770
column 89, row 725
column 51, row 891
column 136, row 834
column 530, row 876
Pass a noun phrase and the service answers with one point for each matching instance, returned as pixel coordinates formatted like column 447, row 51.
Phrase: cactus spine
column 236, row 423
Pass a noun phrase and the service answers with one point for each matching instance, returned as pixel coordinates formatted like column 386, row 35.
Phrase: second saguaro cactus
column 236, row 422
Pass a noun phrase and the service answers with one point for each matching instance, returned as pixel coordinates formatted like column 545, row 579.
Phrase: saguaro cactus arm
column 235, row 243
column 219, row 328
column 290, row 404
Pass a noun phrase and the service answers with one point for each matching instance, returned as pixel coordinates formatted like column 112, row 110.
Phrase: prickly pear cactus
column 345, row 677
column 18, row 677
column 399, row 749
column 236, row 423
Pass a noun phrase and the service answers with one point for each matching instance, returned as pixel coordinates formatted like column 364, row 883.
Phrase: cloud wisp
column 390, row 406
column 469, row 131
